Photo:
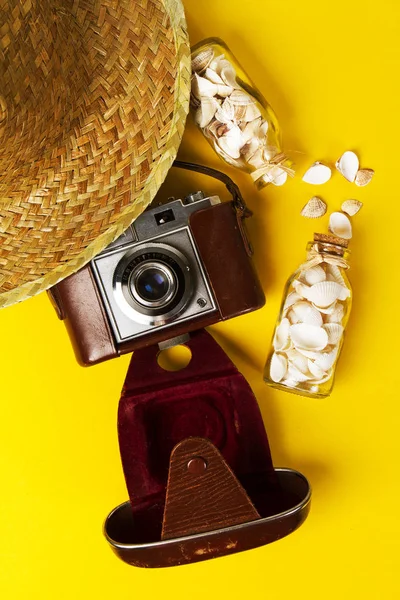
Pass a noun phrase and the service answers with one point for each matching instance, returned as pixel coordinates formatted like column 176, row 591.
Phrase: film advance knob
column 194, row 197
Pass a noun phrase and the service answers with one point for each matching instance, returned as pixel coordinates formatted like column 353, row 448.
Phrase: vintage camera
column 179, row 267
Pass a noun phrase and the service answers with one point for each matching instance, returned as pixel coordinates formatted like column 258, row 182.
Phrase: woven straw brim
column 93, row 102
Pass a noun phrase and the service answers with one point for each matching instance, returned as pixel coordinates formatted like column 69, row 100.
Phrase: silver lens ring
column 166, row 258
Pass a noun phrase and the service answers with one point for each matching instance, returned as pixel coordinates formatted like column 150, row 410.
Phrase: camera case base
column 197, row 464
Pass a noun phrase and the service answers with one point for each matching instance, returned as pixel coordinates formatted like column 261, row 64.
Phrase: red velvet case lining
column 210, row 399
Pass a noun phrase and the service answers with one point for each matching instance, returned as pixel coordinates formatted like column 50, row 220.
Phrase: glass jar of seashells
column 233, row 115
column 309, row 333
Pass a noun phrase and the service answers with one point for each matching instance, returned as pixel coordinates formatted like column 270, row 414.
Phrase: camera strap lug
column 238, row 201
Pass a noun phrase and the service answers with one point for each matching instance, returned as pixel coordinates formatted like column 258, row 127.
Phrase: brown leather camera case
column 197, row 464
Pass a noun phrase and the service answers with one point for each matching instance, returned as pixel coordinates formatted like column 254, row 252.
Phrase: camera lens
column 153, row 284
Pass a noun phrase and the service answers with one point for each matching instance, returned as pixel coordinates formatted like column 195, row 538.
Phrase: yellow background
column 330, row 70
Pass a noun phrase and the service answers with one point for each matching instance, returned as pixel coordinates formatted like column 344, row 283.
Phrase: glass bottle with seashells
column 314, row 313
column 234, row 117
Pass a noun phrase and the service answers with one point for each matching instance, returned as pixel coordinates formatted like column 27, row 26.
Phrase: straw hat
column 93, row 102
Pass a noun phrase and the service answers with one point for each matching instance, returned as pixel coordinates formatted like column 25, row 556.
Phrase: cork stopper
column 331, row 239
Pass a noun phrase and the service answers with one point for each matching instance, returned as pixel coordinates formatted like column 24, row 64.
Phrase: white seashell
column 325, row 293
column 228, row 74
column 325, row 360
column 309, row 337
column 295, row 374
column 293, row 318
column 334, row 274
column 336, row 315
column 334, row 331
column 314, row 208
column 231, row 142
column 326, row 377
column 308, row 353
column 313, row 275
column 348, row 165
column 282, row 339
column 250, row 112
column 339, row 224
column 201, row 87
column 224, row 90
column 306, row 313
column 202, row 60
column 278, row 367
column 351, row 207
column 253, row 154
column 290, row 383
column 226, row 112
column 277, row 176
column 363, row 177
column 263, row 129
column 241, row 98
column 213, row 76
column 298, row 360
column 317, row 174
column 315, row 370
column 301, row 289
column 291, row 299
column 206, row 111
column 251, row 130
column 326, row 311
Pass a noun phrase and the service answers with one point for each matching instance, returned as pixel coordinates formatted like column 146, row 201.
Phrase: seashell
column 206, row 111
column 333, row 273
column 295, row 374
column 313, row 275
column 325, row 360
column 325, row 293
column 326, row 377
column 317, row 174
column 334, row 331
column 278, row 367
column 293, row 318
column 224, row 90
column 226, row 112
column 309, row 337
column 364, row 176
column 339, row 224
column 326, row 311
column 306, row 313
column 247, row 113
column 315, row 370
column 336, row 315
column 291, row 299
column 251, row 131
column 241, row 98
column 228, row 74
column 347, row 165
column 257, row 159
column 298, row 360
column 213, row 76
column 301, row 288
column 314, row 208
column 351, row 207
column 277, row 176
column 290, row 383
column 281, row 338
column 201, row 87
column 201, row 61
column 231, row 142
column 308, row 353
